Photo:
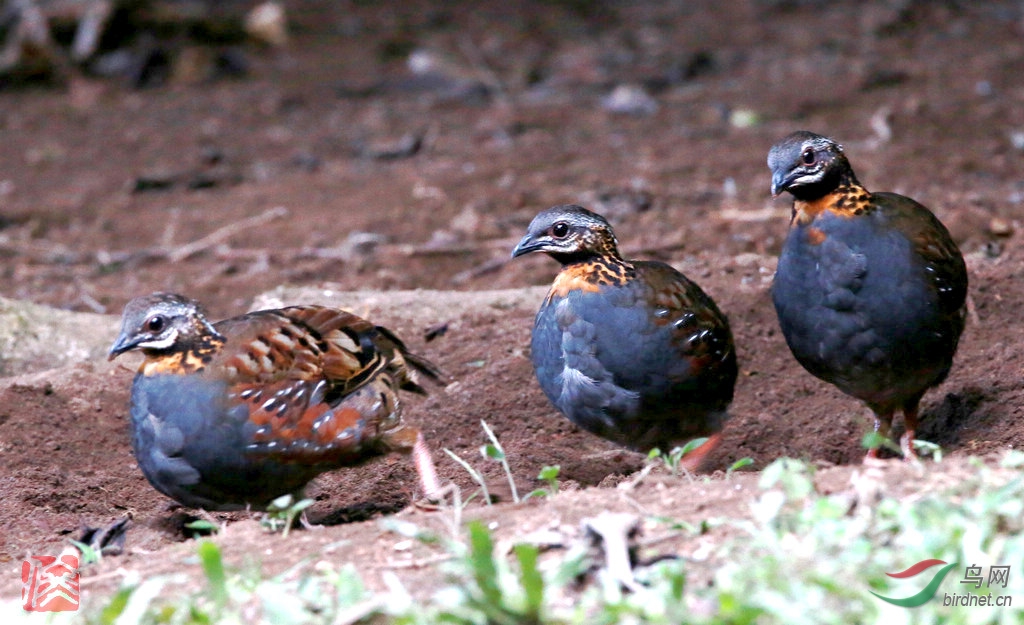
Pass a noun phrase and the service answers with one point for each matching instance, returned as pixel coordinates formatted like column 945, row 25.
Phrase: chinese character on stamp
column 51, row 583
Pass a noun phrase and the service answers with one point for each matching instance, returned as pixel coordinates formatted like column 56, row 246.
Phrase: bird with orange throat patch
column 233, row 414
column 870, row 289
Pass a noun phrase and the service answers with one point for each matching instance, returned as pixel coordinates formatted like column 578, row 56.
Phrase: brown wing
column 700, row 331
column 376, row 347
column 935, row 247
column 680, row 301
column 320, row 383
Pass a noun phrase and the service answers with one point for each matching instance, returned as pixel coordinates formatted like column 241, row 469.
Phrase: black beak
column 781, row 181
column 527, row 245
column 124, row 343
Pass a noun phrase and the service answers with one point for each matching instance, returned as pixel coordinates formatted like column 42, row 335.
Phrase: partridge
column 233, row 414
column 870, row 288
column 632, row 351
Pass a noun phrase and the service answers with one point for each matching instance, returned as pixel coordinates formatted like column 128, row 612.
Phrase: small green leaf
column 203, row 525
column 89, row 555
column 117, row 604
column 677, row 585
column 874, row 440
column 301, row 505
column 281, row 503
column 739, row 464
column 492, row 452
column 141, row 600
column 928, row 448
column 213, row 567
column 694, row 444
column 549, row 473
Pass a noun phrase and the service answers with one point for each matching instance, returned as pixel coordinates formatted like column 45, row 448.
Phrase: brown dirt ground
column 944, row 78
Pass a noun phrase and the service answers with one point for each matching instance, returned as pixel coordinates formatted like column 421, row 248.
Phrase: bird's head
column 161, row 323
column 807, row 165
column 569, row 233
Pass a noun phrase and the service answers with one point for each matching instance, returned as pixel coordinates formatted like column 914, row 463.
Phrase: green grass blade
column 531, row 579
column 485, row 570
column 213, row 567
column 479, row 479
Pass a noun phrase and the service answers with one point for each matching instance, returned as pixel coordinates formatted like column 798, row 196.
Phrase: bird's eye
column 807, row 157
column 155, row 323
column 560, row 229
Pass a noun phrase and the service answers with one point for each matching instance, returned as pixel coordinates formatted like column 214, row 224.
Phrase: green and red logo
column 927, row 592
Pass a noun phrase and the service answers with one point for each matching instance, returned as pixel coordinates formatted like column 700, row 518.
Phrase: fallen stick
column 218, row 235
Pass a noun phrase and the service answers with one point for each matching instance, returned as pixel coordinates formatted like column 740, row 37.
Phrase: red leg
column 692, row 461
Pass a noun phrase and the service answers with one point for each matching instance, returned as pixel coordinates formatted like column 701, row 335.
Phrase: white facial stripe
column 163, row 343
column 808, row 179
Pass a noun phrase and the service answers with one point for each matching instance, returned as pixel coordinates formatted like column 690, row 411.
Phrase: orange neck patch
column 589, row 276
column 847, row 200
column 190, row 360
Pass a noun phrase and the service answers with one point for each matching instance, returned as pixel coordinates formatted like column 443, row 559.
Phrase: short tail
column 419, row 364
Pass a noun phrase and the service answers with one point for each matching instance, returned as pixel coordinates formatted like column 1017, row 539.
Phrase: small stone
column 154, row 181
column 1017, row 139
column 630, row 100
column 435, row 331
column 365, row 242
column 392, row 149
column 1000, row 227
column 267, row 24
column 744, row 118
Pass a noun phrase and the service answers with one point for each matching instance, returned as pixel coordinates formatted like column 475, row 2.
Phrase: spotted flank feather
column 317, row 386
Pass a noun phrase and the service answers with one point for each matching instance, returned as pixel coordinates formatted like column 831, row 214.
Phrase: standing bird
column 870, row 289
column 632, row 351
column 232, row 415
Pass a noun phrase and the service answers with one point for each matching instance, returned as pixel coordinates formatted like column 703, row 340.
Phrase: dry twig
column 218, row 235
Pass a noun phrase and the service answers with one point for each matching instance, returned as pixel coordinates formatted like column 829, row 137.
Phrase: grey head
column 568, row 233
column 808, row 165
column 161, row 322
